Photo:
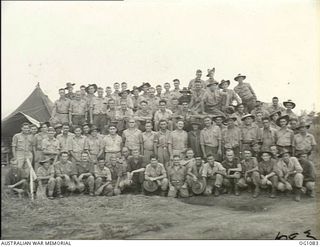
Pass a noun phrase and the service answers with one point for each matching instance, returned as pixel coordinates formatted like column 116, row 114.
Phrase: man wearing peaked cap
column 246, row 93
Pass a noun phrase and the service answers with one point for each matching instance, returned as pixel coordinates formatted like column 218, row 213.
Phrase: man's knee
column 310, row 185
column 281, row 186
column 164, row 184
column 298, row 180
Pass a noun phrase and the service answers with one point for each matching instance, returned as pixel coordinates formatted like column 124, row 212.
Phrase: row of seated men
column 178, row 178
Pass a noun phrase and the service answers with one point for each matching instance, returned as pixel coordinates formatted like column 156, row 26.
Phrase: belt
column 112, row 152
column 99, row 113
column 62, row 113
column 76, row 114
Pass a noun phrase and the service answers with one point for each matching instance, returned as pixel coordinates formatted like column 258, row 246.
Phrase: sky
column 275, row 43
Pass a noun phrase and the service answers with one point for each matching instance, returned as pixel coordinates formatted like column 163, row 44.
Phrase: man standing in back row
column 246, row 93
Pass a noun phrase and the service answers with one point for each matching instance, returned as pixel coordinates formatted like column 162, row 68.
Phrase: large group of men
column 202, row 139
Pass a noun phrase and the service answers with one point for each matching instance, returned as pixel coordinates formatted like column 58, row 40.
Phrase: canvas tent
column 35, row 109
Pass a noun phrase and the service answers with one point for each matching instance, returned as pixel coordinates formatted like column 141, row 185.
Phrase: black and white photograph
column 160, row 120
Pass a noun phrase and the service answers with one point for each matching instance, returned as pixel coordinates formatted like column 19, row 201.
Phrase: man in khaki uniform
column 103, row 178
column 98, row 110
column 45, row 176
column 78, row 110
column 148, row 142
column 85, row 176
column 77, row 145
column 51, row 146
column 93, row 144
column 60, row 111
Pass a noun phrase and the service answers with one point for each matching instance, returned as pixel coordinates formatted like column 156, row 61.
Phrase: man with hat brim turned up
column 309, row 173
column 98, row 110
column 91, row 89
column 304, row 141
column 198, row 78
column 284, row 136
column 213, row 172
column 233, row 170
column 273, row 119
column 246, row 93
column 45, row 177
column 78, row 110
column 230, row 95
column 250, row 132
column 66, row 174
column 185, row 97
column 219, row 121
column 155, row 177
column 15, row 179
column 60, row 111
column 289, row 105
column 249, row 173
column 211, row 79
column 85, row 178
column 144, row 88
column 177, row 179
column 275, row 107
column 210, row 139
column 69, row 86
column 211, row 102
column 93, row 144
column 231, row 136
column 124, row 96
column 289, row 172
column 196, row 97
column 267, row 168
column 194, row 138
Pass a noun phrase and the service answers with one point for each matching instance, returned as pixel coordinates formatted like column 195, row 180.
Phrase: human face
column 176, row 84
column 265, row 157
column 289, row 106
column 256, row 147
column 77, row 132
column 240, row 108
column 159, row 90
column 286, row 157
column 247, row 155
column 274, row 150
column 148, row 127
column 145, row 88
column 108, row 91
column 62, row 93
column 46, row 165
column 230, row 122
column 153, row 162
column 112, row 104
column 197, row 85
column 94, row 133
column 167, row 87
column 259, row 117
column 176, row 161
column 163, row 125
column 151, row 91
column 124, row 86
column 132, row 123
column 198, row 74
column 283, row 122
column 65, row 129
column 44, row 128
column 195, row 126
column 135, row 153
column 125, row 152
column 136, row 92
column 64, row 158
column 116, row 86
column 112, row 130
column 293, row 123
column 224, row 85
column 101, row 163
column 275, row 117
column 113, row 160
column 275, row 101
column 84, row 157
column 175, row 102
column 248, row 121
column 86, row 129
column 218, row 121
column 185, row 106
column 124, row 95
column 198, row 161
column 123, row 105
column 77, row 95
column 266, row 123
column 189, row 154
column 143, row 106
column 91, row 89
column 180, row 125
column 162, row 106
column 213, row 87
column 33, row 130
column 207, row 122
column 229, row 156
column 303, row 130
column 83, row 90
column 51, row 133
column 210, row 160
column 100, row 93
column 25, row 129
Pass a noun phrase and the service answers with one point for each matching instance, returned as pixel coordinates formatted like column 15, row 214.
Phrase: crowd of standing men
column 201, row 139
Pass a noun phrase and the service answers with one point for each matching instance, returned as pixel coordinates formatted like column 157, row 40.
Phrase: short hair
column 116, row 83
column 231, row 151
column 64, row 152
column 111, row 100
column 158, row 86
column 143, row 101
column 153, row 157
column 33, row 125
column 275, row 97
column 82, row 86
column 76, row 127
column 265, row 118
column 61, row 89
column 65, row 124
column 163, row 120
column 207, row 117
column 25, row 124
column 176, row 156
column 123, row 83
column 176, row 80
column 101, row 159
column 247, row 150
column 198, row 71
column 162, row 101
column 210, row 155
column 167, row 83
column 99, row 88
column 108, row 87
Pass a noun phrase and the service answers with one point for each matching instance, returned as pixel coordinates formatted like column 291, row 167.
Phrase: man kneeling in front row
column 155, row 177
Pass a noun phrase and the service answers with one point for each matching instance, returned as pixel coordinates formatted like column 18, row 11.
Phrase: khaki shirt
column 78, row 107
column 52, row 145
column 245, row 91
column 159, row 115
column 98, row 105
column 43, row 172
column 209, row 170
column 231, row 136
column 284, row 137
column 67, row 168
column 148, row 140
column 179, row 140
column 133, row 138
column 210, row 136
column 104, row 172
column 65, row 141
column 162, row 139
column 77, row 144
column 268, row 137
column 250, row 133
column 304, row 142
column 112, row 143
column 177, row 173
column 93, row 144
column 249, row 164
column 22, row 142
column 62, row 106
column 283, row 169
column 157, row 171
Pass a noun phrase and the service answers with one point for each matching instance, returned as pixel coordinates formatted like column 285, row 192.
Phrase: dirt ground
column 154, row 217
